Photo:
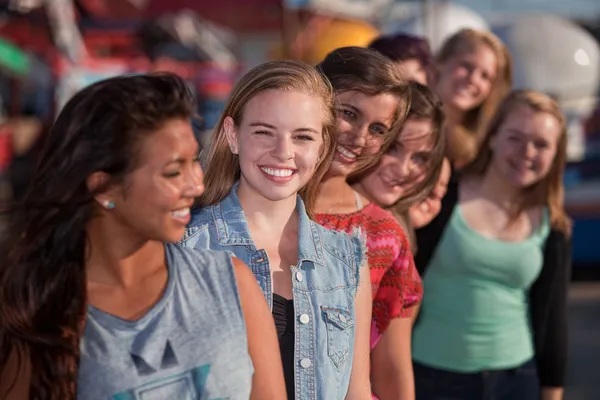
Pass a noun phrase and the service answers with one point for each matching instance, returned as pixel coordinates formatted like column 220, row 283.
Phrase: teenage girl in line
column 409, row 171
column 472, row 74
column 497, row 266
column 372, row 103
column 271, row 148
column 94, row 301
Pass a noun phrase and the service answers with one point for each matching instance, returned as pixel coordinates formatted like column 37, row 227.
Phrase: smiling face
column 362, row 123
column 403, row 166
column 525, row 146
column 154, row 200
column 278, row 142
column 423, row 213
column 465, row 80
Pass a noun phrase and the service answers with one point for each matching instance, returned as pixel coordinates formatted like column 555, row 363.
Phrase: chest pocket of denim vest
column 340, row 331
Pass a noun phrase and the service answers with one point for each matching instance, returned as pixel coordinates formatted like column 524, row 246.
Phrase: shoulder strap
column 358, row 200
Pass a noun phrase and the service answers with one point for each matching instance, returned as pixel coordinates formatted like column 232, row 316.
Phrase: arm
column 16, row 377
column 391, row 360
column 548, row 306
column 360, row 387
column 267, row 382
column 552, row 393
column 391, row 369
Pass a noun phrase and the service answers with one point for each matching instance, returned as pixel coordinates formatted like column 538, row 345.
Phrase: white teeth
column 345, row 152
column 277, row 172
column 184, row 212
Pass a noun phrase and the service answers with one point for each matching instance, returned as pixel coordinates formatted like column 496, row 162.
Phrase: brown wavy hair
column 425, row 105
column 42, row 262
column 369, row 72
column 465, row 140
column 550, row 190
column 222, row 167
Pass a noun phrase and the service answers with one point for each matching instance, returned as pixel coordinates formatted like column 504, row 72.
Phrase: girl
column 421, row 214
column 271, row 148
column 473, row 75
column 410, row 53
column 409, row 170
column 94, row 303
column 372, row 103
column 493, row 321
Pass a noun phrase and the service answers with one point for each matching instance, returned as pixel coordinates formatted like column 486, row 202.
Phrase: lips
column 278, row 174
column 346, row 154
column 520, row 167
column 182, row 215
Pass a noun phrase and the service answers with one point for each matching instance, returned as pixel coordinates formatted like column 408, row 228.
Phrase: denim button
column 299, row 276
column 304, row 318
column 342, row 318
column 305, row 363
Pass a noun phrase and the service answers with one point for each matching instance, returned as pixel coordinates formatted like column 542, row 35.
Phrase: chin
column 385, row 201
column 172, row 234
column 279, row 195
column 522, row 183
column 338, row 169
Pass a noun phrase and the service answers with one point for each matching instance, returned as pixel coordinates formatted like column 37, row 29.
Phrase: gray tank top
column 191, row 345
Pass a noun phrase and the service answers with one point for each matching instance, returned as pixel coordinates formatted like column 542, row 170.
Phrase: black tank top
column 283, row 313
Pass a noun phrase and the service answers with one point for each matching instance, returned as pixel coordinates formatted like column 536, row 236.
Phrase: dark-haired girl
column 93, row 303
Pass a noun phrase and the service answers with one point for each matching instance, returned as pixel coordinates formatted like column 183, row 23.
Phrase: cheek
column 374, row 144
column 546, row 162
column 310, row 154
column 343, row 126
column 485, row 89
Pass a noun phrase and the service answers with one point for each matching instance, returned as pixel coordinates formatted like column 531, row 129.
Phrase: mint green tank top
column 475, row 311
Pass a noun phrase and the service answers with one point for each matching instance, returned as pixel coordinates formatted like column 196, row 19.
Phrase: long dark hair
column 403, row 47
column 368, row 72
column 42, row 259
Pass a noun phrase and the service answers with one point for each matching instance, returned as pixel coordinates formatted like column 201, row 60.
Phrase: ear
column 98, row 183
column 231, row 134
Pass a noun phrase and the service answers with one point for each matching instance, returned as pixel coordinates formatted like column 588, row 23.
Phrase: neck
column 116, row 257
column 332, row 190
column 499, row 190
column 453, row 116
column 264, row 214
column 360, row 190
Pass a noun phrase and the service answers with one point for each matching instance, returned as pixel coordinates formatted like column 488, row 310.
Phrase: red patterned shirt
column 396, row 284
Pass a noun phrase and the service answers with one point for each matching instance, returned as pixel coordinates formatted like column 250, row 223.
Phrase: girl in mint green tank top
column 495, row 263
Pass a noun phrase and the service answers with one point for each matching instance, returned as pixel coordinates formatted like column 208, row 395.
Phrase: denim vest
column 324, row 281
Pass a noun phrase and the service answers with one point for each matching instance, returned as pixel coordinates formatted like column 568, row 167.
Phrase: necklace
column 339, row 200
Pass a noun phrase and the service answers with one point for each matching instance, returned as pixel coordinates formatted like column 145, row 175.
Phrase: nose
column 529, row 150
column 402, row 168
column 195, row 182
column 283, row 150
column 360, row 136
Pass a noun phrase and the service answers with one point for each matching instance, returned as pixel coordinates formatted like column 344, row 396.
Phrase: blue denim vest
column 325, row 282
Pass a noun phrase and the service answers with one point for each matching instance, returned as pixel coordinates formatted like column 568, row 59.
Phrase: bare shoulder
column 246, row 282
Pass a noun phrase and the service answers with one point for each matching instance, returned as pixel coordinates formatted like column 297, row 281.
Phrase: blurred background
column 49, row 49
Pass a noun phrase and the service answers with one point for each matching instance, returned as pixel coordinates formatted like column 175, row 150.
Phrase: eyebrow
column 269, row 126
column 180, row 160
column 356, row 110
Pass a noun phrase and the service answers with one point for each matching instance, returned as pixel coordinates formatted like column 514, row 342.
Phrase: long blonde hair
column 465, row 140
column 222, row 168
column 550, row 190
